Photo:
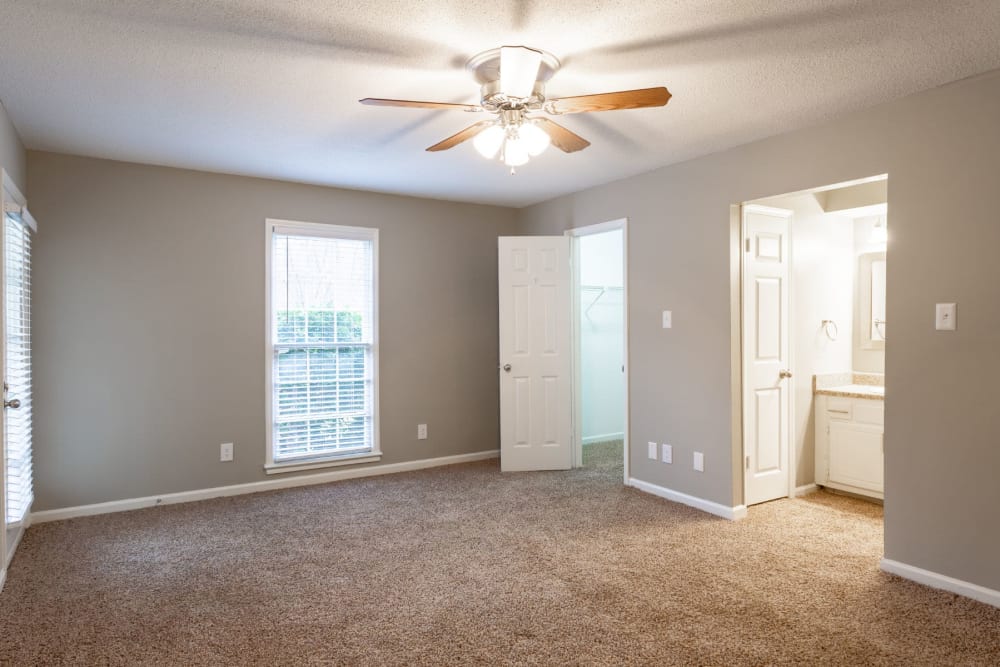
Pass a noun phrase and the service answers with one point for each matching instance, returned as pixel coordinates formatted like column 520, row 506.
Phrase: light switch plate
column 667, row 455
column 652, row 450
column 421, row 431
column 944, row 317
column 699, row 462
column 226, row 451
column 668, row 319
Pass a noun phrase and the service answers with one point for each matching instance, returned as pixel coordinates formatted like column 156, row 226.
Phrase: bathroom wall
column 866, row 360
column 602, row 336
column 822, row 289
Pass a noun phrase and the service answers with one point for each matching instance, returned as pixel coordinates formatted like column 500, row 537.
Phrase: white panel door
column 766, row 398
column 535, row 348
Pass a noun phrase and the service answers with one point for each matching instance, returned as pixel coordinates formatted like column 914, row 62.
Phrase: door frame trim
column 575, row 234
column 790, row 457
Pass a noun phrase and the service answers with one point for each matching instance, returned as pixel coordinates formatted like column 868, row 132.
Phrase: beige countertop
column 854, row 391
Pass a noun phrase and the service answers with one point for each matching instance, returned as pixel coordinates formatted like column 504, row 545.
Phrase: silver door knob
column 784, row 374
column 13, row 403
column 506, row 368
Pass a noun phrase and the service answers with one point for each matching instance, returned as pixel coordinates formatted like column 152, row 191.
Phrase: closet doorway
column 600, row 339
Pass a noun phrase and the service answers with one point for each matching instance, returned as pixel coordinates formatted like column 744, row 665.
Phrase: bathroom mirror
column 871, row 300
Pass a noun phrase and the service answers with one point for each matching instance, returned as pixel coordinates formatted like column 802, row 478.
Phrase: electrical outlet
column 667, row 455
column 421, row 431
column 226, row 451
column 699, row 462
column 652, row 450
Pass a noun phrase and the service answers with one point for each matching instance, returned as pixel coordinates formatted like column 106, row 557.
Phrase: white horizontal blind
column 322, row 314
column 17, row 367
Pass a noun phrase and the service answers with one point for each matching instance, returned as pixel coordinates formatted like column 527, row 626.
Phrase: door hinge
column 748, row 244
column 748, row 463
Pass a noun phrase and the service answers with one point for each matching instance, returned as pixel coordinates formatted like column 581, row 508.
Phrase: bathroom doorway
column 813, row 334
column 600, row 341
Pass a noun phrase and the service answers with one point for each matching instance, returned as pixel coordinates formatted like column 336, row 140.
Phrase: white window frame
column 329, row 231
column 10, row 197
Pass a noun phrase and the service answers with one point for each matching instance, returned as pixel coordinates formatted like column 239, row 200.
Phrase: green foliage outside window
column 319, row 326
column 336, row 383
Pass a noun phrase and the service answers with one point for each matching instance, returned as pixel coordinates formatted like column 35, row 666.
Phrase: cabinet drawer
column 868, row 411
column 839, row 408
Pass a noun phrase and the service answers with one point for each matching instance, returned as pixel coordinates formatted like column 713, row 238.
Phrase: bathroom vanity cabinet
column 849, row 430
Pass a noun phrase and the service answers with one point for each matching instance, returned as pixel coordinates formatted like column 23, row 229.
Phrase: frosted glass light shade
column 488, row 141
column 518, row 70
column 515, row 152
column 536, row 139
column 879, row 233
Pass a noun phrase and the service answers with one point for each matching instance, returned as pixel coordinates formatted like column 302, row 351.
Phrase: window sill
column 330, row 462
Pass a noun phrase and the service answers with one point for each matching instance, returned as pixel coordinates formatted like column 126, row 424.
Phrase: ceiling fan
column 512, row 86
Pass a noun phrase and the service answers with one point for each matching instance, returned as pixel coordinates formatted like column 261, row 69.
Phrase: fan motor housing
column 493, row 99
column 485, row 68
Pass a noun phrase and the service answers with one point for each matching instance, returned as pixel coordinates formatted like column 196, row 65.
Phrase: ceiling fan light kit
column 512, row 85
column 514, row 138
column 488, row 142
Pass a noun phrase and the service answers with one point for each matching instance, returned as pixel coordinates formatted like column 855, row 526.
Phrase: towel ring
column 827, row 325
column 880, row 327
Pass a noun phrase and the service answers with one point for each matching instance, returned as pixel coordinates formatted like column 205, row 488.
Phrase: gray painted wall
column 941, row 149
column 149, row 324
column 12, row 155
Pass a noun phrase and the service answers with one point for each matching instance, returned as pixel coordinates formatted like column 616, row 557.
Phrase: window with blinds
column 17, row 367
column 322, row 342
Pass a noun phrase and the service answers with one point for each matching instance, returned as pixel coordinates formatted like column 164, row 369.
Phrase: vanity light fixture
column 879, row 235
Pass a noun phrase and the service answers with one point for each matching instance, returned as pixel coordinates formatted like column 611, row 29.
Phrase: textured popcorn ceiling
column 270, row 88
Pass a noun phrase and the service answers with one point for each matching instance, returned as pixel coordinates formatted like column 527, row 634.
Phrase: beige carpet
column 463, row 565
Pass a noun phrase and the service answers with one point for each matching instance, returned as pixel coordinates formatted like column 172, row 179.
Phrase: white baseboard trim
column 256, row 487
column 591, row 439
column 943, row 582
column 804, row 490
column 726, row 512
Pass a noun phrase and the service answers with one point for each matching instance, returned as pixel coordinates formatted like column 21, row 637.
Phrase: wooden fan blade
column 459, row 137
column 379, row 102
column 562, row 138
column 626, row 99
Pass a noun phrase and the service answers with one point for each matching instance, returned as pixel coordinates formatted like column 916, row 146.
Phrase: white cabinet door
column 855, row 452
column 535, row 348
